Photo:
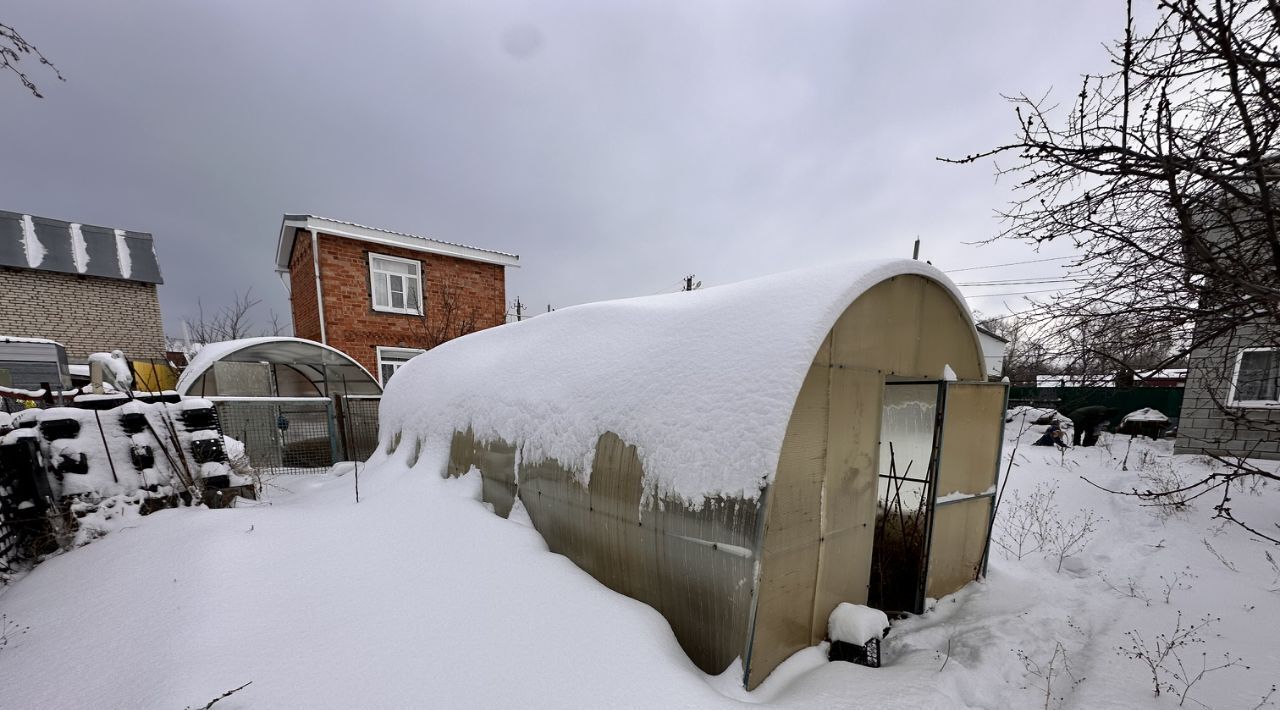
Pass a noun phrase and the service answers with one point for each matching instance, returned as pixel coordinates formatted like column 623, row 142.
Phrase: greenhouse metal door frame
column 968, row 396
column 917, row 531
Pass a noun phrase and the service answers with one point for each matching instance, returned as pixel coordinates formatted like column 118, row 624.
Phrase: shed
column 742, row 458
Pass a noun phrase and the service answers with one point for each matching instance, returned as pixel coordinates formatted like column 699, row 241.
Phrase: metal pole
column 106, row 448
column 346, row 440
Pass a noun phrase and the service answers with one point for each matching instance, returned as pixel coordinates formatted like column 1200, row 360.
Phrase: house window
column 391, row 359
column 396, row 284
column 1257, row 378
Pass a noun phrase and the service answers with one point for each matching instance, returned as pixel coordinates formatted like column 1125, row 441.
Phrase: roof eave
column 293, row 222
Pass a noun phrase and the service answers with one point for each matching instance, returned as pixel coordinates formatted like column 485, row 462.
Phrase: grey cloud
column 615, row 146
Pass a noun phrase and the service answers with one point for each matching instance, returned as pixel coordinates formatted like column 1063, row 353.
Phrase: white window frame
column 1235, row 378
column 373, row 291
column 396, row 352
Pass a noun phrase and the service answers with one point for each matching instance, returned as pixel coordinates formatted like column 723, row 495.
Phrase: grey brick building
column 1232, row 402
column 90, row 288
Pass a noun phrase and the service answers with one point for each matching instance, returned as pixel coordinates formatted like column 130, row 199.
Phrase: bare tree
column 276, row 327
column 13, row 49
column 230, row 322
column 1163, row 171
column 451, row 317
column 1027, row 352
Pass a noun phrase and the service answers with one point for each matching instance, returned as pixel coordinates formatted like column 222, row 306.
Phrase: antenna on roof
column 915, row 253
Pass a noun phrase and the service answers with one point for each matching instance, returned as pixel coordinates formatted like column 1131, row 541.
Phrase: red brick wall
column 352, row 325
column 302, row 286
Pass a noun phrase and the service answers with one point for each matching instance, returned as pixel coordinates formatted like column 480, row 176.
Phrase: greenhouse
column 742, row 458
column 275, row 366
column 298, row 406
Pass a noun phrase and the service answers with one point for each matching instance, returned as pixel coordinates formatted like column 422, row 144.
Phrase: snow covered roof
column 307, row 357
column 293, row 223
column 989, row 334
column 1108, row 379
column 703, row 383
column 30, row 242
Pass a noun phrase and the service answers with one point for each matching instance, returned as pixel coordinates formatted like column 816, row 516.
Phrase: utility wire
column 1016, row 293
column 1020, row 282
column 1012, row 263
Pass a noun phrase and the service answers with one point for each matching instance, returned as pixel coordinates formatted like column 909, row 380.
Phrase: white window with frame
column 396, row 284
column 1256, row 381
column 392, row 359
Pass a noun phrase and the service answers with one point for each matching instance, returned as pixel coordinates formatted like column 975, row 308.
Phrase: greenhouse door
column 909, row 441
column 964, row 495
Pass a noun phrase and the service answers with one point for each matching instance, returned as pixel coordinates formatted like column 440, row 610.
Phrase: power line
column 1012, row 263
column 1020, row 282
column 1016, row 293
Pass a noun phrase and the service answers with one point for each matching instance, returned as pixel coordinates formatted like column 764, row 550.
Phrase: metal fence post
column 333, row 432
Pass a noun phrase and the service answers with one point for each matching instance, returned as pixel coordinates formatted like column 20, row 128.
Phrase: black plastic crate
column 133, row 422
column 52, row 429
column 142, row 456
column 206, row 450
column 71, row 463
column 197, row 418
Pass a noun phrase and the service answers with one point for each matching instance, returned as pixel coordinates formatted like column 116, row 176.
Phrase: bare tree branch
column 1164, row 173
column 231, row 322
column 13, row 48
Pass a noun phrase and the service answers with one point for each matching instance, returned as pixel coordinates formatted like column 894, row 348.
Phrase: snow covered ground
column 419, row 597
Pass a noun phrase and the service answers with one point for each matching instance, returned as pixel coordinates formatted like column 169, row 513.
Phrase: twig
column 225, row 695
column 1225, row 562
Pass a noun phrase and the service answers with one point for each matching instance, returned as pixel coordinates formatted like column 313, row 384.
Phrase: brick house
column 1232, row 402
column 92, row 289
column 382, row 296
column 1231, row 406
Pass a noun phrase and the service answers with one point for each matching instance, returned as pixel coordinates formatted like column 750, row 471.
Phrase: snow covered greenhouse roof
column 286, row 367
column 702, row 382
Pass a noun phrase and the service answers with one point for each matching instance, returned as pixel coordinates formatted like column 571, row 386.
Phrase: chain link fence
column 357, row 425
column 301, row 435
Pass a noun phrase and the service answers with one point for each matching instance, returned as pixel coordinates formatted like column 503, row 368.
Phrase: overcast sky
column 615, row 146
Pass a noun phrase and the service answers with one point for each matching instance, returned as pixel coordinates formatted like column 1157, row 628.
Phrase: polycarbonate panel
column 243, row 379
column 971, row 437
column 959, row 543
column 695, row 566
column 848, row 493
column 789, row 564
column 972, row 431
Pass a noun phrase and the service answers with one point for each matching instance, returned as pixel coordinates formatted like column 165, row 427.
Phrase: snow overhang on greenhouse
column 274, row 367
column 742, row 458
